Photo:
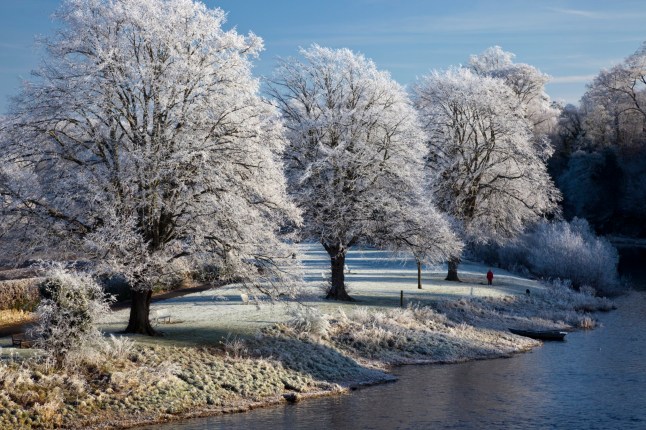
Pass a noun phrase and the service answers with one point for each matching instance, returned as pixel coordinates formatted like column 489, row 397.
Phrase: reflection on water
column 594, row 380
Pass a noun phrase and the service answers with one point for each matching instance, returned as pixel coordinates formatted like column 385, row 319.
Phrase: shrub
column 561, row 295
column 67, row 314
column 572, row 251
column 566, row 251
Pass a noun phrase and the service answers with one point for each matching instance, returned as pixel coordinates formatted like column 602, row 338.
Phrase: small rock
column 292, row 397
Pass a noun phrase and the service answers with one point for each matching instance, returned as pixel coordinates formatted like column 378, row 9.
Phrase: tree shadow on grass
column 320, row 362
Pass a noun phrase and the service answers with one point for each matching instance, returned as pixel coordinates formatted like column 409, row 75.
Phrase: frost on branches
column 143, row 142
column 614, row 104
column 354, row 162
column 488, row 174
column 423, row 233
column 527, row 83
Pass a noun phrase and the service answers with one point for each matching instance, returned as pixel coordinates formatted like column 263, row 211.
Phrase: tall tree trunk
column 139, row 322
column 453, row 270
column 337, row 259
column 419, row 274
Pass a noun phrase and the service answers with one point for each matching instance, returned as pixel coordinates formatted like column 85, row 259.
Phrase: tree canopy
column 143, row 143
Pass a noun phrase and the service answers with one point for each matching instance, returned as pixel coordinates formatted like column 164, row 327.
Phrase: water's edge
column 587, row 382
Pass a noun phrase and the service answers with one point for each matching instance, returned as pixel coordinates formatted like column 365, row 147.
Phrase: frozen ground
column 375, row 279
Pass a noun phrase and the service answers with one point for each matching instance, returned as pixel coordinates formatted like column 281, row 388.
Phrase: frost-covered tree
column 488, row 174
column 601, row 165
column 526, row 82
column 615, row 103
column 354, row 162
column 143, row 142
column 569, row 133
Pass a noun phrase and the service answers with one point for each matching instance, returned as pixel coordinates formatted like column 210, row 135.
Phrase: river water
column 594, row 380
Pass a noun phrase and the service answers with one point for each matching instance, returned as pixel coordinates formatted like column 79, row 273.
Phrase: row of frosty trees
column 143, row 142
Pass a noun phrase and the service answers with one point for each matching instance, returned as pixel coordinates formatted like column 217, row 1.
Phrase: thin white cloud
column 576, row 12
column 609, row 15
column 572, row 79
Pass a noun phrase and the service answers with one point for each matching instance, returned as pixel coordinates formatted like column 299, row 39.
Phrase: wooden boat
column 540, row 334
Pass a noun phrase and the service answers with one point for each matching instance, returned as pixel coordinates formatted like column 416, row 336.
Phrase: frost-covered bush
column 71, row 305
column 561, row 295
column 572, row 251
column 566, row 251
column 207, row 272
column 305, row 319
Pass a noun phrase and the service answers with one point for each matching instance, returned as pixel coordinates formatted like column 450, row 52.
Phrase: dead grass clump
column 20, row 294
column 234, row 346
column 13, row 316
column 49, row 413
column 587, row 323
column 118, row 348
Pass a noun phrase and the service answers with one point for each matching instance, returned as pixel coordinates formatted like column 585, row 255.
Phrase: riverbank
column 221, row 354
column 587, row 382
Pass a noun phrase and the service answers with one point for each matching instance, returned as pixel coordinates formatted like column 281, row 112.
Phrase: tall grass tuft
column 20, row 294
column 308, row 320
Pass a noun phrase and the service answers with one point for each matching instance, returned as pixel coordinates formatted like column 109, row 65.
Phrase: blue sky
column 571, row 40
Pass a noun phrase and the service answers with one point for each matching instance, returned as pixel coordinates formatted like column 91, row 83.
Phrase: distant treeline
column 600, row 158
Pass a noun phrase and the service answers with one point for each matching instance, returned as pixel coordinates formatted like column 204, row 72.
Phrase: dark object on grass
column 540, row 334
column 21, row 340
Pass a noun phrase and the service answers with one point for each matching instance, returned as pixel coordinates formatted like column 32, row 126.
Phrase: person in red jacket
column 490, row 277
